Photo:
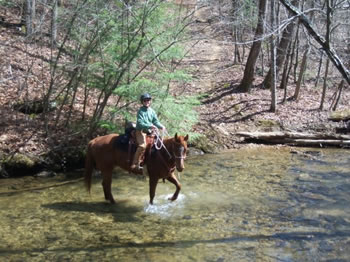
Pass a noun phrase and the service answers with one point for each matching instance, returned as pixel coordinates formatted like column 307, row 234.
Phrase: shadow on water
column 312, row 236
column 120, row 211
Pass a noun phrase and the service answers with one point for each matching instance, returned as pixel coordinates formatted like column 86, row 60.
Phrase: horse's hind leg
column 107, row 186
column 174, row 180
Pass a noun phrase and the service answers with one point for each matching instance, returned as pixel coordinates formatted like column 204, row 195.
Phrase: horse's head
column 179, row 151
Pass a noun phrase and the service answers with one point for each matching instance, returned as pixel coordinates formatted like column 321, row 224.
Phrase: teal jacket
column 146, row 118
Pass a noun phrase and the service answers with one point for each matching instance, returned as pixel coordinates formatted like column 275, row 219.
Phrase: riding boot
column 135, row 167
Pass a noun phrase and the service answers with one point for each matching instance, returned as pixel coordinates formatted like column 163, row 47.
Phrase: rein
column 159, row 139
column 158, row 144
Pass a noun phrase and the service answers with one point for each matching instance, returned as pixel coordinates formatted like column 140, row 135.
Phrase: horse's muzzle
column 180, row 165
column 180, row 169
column 180, row 162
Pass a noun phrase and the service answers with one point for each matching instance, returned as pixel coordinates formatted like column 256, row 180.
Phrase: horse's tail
column 89, row 167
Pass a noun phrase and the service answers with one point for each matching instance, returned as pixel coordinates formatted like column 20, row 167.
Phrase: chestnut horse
column 161, row 161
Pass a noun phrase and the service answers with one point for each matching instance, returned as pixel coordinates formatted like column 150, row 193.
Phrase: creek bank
column 24, row 164
column 21, row 164
column 217, row 139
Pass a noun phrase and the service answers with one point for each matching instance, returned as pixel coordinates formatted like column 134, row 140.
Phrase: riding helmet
column 145, row 96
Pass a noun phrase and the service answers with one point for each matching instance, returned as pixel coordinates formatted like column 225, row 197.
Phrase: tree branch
column 330, row 52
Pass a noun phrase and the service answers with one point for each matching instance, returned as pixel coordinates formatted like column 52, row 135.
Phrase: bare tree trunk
column 86, row 96
column 54, row 24
column 319, row 69
column 262, row 62
column 33, row 10
column 278, row 22
column 30, row 11
column 284, row 80
column 281, row 50
column 235, row 32
column 337, row 96
column 324, row 85
column 296, row 55
column 248, row 77
column 330, row 52
column 301, row 74
column 273, row 60
column 243, row 46
column 54, row 67
column 237, row 57
column 327, row 43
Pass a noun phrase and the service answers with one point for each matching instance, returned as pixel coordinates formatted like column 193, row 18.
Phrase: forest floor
column 223, row 111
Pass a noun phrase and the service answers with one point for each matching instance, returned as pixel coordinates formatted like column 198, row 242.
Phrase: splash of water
column 165, row 208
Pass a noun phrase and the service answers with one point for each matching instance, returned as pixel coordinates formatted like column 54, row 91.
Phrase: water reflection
column 248, row 205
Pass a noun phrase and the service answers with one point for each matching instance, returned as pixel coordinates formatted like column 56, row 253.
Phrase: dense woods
column 71, row 70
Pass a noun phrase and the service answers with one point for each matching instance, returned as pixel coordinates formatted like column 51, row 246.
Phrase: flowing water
column 248, row 205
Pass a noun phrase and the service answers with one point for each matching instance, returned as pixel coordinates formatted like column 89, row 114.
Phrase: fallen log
column 315, row 142
column 296, row 138
column 340, row 116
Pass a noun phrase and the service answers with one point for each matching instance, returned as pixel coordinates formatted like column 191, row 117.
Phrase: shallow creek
column 249, row 205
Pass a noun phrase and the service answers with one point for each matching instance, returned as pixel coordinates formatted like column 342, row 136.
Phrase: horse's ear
column 175, row 136
column 186, row 138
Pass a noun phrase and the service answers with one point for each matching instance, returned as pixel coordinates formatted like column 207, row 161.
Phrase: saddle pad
column 122, row 142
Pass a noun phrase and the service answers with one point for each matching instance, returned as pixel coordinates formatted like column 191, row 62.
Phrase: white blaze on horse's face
column 179, row 155
column 180, row 149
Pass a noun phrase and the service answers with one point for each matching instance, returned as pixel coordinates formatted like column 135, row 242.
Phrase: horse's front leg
column 172, row 178
column 107, row 186
column 153, row 181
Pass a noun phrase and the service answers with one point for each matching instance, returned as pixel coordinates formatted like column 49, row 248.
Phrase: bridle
column 158, row 144
column 182, row 155
column 159, row 140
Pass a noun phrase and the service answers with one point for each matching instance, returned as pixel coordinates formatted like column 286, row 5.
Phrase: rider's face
column 146, row 102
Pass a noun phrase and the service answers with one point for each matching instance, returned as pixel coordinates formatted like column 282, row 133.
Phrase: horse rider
column 147, row 121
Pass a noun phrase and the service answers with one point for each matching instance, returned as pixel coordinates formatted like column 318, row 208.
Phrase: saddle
column 127, row 143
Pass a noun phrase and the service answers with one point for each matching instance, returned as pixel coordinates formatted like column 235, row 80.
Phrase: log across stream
column 296, row 138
